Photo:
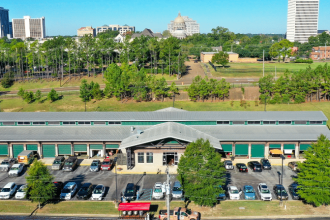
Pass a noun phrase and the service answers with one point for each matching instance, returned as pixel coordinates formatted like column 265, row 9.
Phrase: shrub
column 7, row 80
column 303, row 61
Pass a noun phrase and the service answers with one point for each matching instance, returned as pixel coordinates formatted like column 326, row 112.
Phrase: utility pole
column 168, row 193
column 325, row 52
column 275, row 72
column 263, row 63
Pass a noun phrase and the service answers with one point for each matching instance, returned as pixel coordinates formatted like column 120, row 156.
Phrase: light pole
column 282, row 157
column 115, row 160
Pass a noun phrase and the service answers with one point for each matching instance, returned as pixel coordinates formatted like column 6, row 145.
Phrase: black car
column 255, row 166
column 58, row 188
column 241, row 167
column 280, row 191
column 265, row 164
column 293, row 190
column 70, row 164
column 85, row 191
column 130, row 192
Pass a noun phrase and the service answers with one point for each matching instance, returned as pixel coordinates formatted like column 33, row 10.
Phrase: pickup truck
column 179, row 213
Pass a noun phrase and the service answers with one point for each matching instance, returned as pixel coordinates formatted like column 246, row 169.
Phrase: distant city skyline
column 248, row 16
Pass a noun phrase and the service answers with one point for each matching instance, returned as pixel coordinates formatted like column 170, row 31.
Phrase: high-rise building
column 4, row 22
column 303, row 18
column 183, row 26
column 29, row 28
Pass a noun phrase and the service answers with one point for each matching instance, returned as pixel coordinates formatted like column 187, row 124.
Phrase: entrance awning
column 276, row 151
column 134, row 206
column 168, row 130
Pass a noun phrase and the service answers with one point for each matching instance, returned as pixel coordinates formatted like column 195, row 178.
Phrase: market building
column 159, row 138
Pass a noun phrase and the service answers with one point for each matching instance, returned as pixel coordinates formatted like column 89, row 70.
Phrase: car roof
column 279, row 186
column 241, row 164
column 248, row 186
column 71, row 158
column 177, row 183
column 233, row 187
column 86, row 185
column 99, row 186
column 16, row 165
column 9, row 184
column 69, row 185
column 58, row 157
column 130, row 185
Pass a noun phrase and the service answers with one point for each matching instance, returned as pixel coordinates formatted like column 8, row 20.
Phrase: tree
column 221, row 58
column 97, row 92
column 52, row 95
column 21, row 92
column 85, row 91
column 7, row 80
column 28, row 97
column 314, row 176
column 201, row 172
column 40, row 187
column 37, row 96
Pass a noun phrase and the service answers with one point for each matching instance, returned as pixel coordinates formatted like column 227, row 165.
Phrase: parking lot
column 145, row 183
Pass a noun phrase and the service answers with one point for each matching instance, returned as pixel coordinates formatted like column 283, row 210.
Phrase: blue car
column 221, row 196
column 249, row 193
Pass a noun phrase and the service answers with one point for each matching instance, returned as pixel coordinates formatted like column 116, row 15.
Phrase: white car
column 68, row 191
column 158, row 191
column 7, row 164
column 8, row 190
column 264, row 192
column 98, row 192
column 20, row 194
column 234, row 193
column 16, row 169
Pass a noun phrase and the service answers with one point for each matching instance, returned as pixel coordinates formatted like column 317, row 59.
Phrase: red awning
column 142, row 206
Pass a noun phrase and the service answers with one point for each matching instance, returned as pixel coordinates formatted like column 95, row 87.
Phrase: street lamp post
column 282, row 157
column 115, row 160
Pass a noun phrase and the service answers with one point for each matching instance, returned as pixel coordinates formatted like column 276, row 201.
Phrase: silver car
column 228, row 165
column 95, row 166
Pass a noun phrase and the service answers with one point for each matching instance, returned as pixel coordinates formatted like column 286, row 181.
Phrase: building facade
column 207, row 56
column 4, row 22
column 115, row 27
column 88, row 30
column 29, row 28
column 183, row 26
column 159, row 138
column 302, row 20
column 320, row 53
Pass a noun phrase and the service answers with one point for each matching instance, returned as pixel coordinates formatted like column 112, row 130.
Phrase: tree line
column 30, row 97
column 297, row 87
column 202, row 89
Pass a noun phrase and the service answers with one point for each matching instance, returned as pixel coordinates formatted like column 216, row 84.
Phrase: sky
column 64, row 17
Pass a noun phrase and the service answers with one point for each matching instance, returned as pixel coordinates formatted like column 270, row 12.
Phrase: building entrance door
column 170, row 158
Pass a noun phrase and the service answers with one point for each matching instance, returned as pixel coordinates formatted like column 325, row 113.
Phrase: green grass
column 227, row 208
column 237, row 69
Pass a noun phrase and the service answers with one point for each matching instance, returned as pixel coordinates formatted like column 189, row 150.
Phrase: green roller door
column 33, row 147
column 80, row 148
column 112, row 146
column 64, row 149
column 17, row 149
column 274, row 146
column 304, row 146
column 96, row 146
column 48, row 150
column 3, row 149
column 241, row 149
column 227, row 147
column 257, row 150
column 289, row 146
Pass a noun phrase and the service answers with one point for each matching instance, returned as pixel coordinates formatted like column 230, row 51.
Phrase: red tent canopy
column 142, row 206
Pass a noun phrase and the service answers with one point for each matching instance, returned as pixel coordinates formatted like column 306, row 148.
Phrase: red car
column 106, row 164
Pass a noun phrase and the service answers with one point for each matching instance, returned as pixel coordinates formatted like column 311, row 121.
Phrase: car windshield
column 229, row 163
column 243, row 166
column 283, row 191
column 98, row 191
column 4, row 163
column 5, row 190
column 106, row 163
column 68, row 163
column 129, row 191
column 176, row 189
column 158, row 190
column 21, row 189
column 66, row 191
column 265, row 191
column 57, row 162
column 84, row 189
column 235, row 191
column 14, row 168
column 249, row 190
column 94, row 164
column 266, row 162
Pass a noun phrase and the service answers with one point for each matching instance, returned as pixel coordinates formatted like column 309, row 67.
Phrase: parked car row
column 71, row 163
column 159, row 190
column 9, row 165
column 263, row 191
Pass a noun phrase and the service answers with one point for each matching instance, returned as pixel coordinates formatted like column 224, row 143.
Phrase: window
column 99, row 122
column 253, row 122
column 284, row 122
column 300, row 122
column 69, row 122
column 38, row 123
column 114, row 123
column 84, row 122
column 238, row 122
column 223, row 122
column 53, row 123
column 150, row 157
column 8, row 123
column 140, row 157
column 315, row 122
column 23, row 123
column 269, row 122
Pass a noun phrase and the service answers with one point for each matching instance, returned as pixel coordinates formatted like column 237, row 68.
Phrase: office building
column 183, row 26
column 302, row 20
column 4, row 22
column 29, row 28
column 88, row 30
column 115, row 27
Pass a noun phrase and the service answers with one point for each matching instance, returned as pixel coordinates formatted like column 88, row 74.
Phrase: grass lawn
column 255, row 69
column 71, row 103
column 228, row 208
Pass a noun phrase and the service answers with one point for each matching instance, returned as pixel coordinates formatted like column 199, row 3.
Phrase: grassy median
column 225, row 209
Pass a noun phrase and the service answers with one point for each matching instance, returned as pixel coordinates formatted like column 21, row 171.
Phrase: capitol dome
column 179, row 19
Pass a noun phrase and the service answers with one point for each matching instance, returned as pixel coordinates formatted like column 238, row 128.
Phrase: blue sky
column 64, row 17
